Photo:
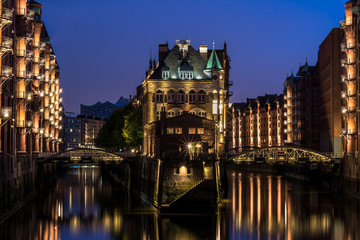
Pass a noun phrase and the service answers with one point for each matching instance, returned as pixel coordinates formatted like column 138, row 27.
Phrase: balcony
column 343, row 47
column 21, row 53
column 20, row 123
column 231, row 83
column 231, row 93
column 342, row 24
column 30, row 14
column 42, row 61
column 6, row 45
column 21, row 74
column 42, row 46
column 344, row 62
column 6, row 16
column 29, row 36
column 6, row 72
column 29, row 53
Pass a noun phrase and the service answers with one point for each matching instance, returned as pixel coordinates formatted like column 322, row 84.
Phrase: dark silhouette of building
column 102, row 110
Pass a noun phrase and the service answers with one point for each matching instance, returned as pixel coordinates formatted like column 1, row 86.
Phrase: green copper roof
column 214, row 62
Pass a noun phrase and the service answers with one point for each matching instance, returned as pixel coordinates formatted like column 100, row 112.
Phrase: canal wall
column 173, row 186
column 350, row 176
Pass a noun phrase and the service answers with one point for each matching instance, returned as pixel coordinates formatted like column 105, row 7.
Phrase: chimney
column 163, row 51
column 203, row 50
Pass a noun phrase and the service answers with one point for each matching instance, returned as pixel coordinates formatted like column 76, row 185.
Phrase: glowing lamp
column 6, row 112
column 41, row 130
column 29, row 124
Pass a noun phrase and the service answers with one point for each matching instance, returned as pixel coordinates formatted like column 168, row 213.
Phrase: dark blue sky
column 103, row 46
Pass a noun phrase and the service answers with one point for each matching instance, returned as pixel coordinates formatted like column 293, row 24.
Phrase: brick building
column 30, row 102
column 186, row 80
column 257, row 123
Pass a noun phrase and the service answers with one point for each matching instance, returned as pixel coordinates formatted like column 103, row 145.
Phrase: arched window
column 202, row 95
column 192, row 96
column 181, row 96
column 159, row 96
column 158, row 115
column 178, row 113
column 171, row 96
column 202, row 114
column 193, row 112
column 171, row 113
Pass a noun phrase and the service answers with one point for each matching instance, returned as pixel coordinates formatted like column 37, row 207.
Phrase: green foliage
column 133, row 128
column 123, row 129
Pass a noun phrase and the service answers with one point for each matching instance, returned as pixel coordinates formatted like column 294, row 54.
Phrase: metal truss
column 82, row 154
column 282, row 154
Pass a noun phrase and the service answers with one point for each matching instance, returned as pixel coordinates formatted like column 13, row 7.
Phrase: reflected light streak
column 240, row 202
column 70, row 199
column 233, row 205
column 258, row 205
column 270, row 204
column 279, row 200
column 251, row 202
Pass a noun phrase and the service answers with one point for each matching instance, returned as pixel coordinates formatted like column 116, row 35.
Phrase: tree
column 123, row 129
column 133, row 128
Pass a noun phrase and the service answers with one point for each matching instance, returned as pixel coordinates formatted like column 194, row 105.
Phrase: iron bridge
column 284, row 155
column 82, row 155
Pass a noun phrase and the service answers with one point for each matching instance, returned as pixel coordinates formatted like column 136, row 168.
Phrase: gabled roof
column 174, row 60
column 213, row 63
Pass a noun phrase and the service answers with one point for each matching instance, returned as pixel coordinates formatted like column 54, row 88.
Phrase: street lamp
column 5, row 114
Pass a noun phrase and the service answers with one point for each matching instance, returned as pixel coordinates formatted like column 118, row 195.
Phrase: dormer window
column 165, row 74
column 186, row 74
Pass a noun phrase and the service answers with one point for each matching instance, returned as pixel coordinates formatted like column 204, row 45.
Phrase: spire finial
column 306, row 60
column 213, row 44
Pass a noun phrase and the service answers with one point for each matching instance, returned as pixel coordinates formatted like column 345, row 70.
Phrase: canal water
column 84, row 204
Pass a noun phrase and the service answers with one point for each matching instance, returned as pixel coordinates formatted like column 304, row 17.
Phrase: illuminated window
column 181, row 97
column 165, row 74
column 178, row 130
column 202, row 114
column 192, row 130
column 215, row 109
column 171, row 96
column 171, row 114
column 178, row 113
column 158, row 115
column 182, row 75
column 192, row 96
column 189, row 75
column 202, row 96
column 159, row 96
column 193, row 113
column 170, row 130
column 200, row 131
column 71, row 130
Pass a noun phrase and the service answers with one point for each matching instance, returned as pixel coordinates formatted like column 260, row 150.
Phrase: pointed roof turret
column 214, row 63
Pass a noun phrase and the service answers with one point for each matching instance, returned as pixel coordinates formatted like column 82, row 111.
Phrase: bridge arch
column 82, row 155
column 283, row 154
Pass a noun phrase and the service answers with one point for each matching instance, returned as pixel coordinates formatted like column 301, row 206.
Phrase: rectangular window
column 165, row 74
column 178, row 130
column 170, row 130
column 192, row 130
column 189, row 75
column 215, row 108
column 200, row 131
column 182, row 75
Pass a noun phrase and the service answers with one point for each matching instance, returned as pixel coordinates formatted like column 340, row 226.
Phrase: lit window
column 170, row 130
column 182, row 75
column 178, row 113
column 202, row 114
column 181, row 97
column 178, row 130
column 165, row 74
column 71, row 130
column 192, row 96
column 159, row 96
column 192, row 130
column 158, row 115
column 215, row 109
column 171, row 114
column 189, row 75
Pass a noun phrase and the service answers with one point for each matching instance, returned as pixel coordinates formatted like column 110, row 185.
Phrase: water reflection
column 85, row 205
column 270, row 207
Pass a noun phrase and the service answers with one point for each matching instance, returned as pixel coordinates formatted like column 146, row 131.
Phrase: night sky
column 103, row 47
